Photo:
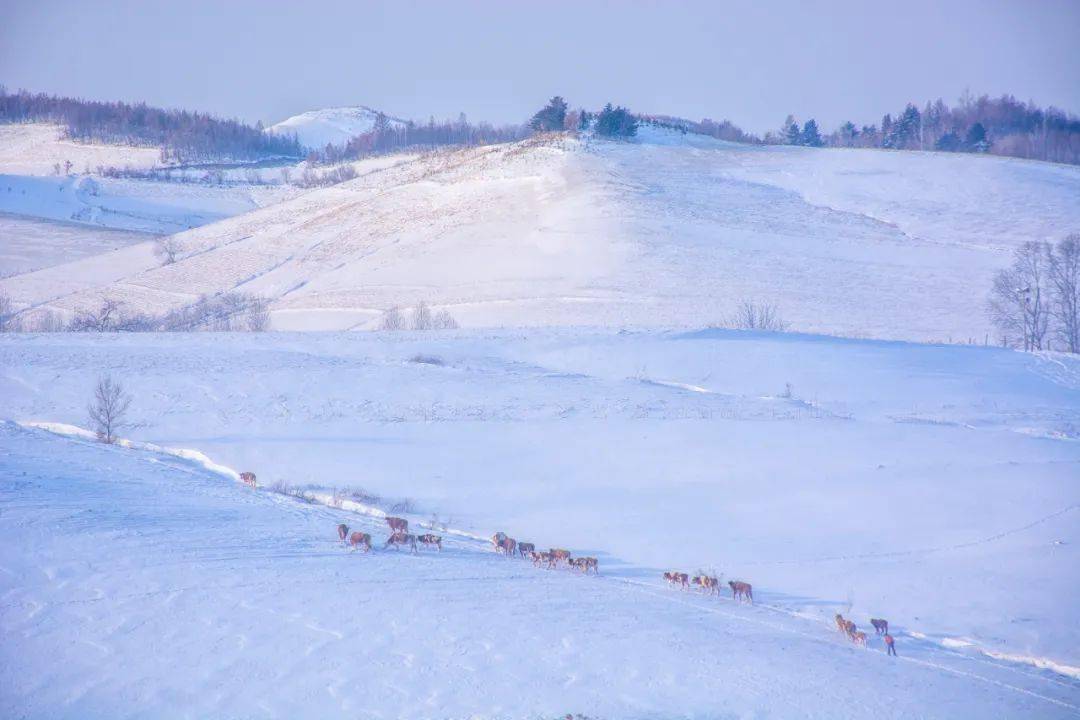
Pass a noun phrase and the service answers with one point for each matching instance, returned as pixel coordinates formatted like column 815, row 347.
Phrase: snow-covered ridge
column 330, row 126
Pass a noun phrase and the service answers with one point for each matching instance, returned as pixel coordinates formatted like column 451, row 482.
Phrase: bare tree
column 422, row 316
column 108, row 408
column 1019, row 298
column 102, row 319
column 392, row 320
column 757, row 316
column 258, row 314
column 1065, row 283
column 167, row 249
column 443, row 320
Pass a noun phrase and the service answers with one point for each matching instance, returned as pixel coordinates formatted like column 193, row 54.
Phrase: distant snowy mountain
column 317, row 128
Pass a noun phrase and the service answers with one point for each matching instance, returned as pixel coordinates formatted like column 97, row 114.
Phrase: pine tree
column 976, row 139
column 551, row 117
column 949, row 142
column 791, row 131
column 616, row 122
column 810, row 135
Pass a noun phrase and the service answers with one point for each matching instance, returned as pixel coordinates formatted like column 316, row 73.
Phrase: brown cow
column 841, row 623
column 508, row 546
column 525, row 548
column 342, row 531
column 397, row 525
column 359, row 538
column 430, row 539
column 248, row 478
column 707, row 583
column 399, row 538
column 558, row 554
column 677, row 578
column 881, row 627
column 849, row 628
column 741, row 590
column 497, row 540
column 585, row 563
column 859, row 638
column 542, row 557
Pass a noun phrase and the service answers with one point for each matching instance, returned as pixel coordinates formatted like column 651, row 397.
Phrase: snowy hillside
column 37, row 148
column 329, row 126
column 668, row 231
column 917, row 483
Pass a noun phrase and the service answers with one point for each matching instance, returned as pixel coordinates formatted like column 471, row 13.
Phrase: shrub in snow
column 422, row 319
column 392, row 320
column 7, row 315
column 444, row 321
column 167, row 249
column 427, row 360
column 751, row 315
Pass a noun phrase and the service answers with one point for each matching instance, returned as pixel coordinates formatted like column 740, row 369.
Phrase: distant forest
column 182, row 135
column 999, row 126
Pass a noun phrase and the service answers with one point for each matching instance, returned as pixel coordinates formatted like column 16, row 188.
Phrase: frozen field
column 934, row 486
column 29, row 244
column 668, row 231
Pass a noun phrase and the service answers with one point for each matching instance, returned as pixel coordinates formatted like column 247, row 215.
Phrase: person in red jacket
column 890, row 644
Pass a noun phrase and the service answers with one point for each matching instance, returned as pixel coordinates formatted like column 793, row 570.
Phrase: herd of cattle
column 881, row 627
column 400, row 537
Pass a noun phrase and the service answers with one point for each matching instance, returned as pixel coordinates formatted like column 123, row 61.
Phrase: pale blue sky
column 752, row 62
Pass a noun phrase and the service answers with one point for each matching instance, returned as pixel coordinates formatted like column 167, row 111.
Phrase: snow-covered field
column 29, row 244
column 668, row 231
column 934, row 486
column 135, row 205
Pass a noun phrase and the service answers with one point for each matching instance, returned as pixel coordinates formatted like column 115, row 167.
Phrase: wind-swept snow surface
column 668, row 231
column 138, row 585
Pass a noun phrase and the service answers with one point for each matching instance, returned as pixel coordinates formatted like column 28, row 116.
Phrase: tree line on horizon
column 998, row 126
column 182, row 135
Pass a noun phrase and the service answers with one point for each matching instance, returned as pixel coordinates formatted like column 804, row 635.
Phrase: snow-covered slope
column 667, row 231
column 329, row 126
column 932, row 486
column 135, row 205
column 37, row 148
column 143, row 586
